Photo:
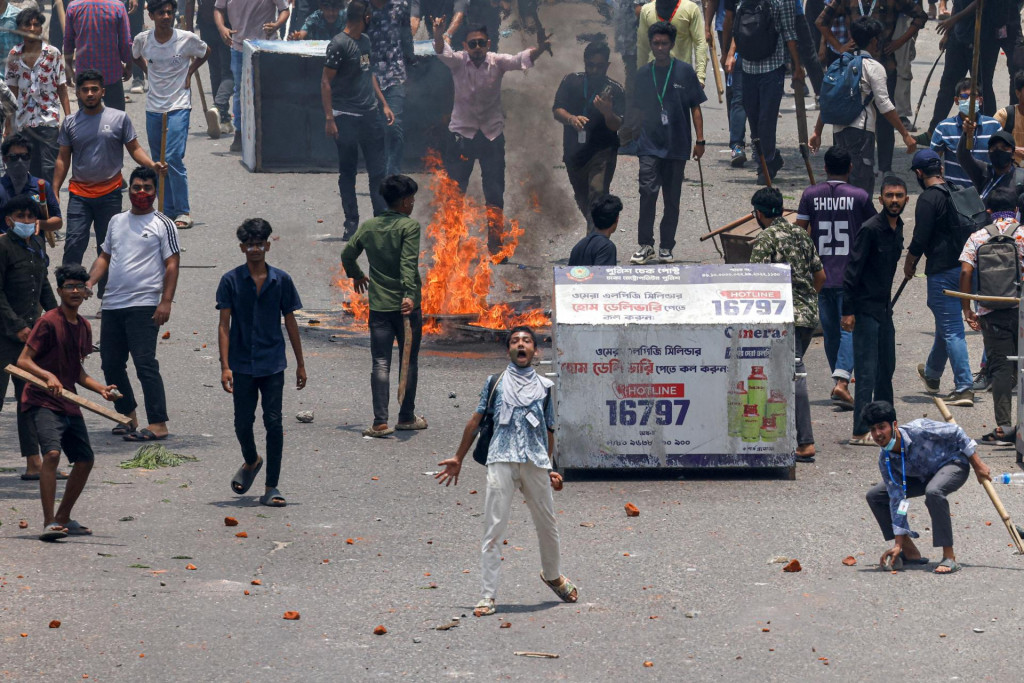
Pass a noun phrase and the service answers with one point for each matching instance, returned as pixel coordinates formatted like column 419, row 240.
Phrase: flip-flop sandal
column 121, row 430
column 806, row 459
column 484, row 608
column 61, row 476
column 183, row 222
column 866, row 441
column 419, row 423
column 952, row 565
column 993, row 438
column 144, row 435
column 378, row 433
column 76, row 529
column 243, row 479
column 842, row 402
column 53, row 532
column 918, row 561
column 563, row 588
column 273, row 499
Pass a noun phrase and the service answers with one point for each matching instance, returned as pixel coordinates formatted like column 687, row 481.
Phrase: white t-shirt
column 872, row 82
column 138, row 247
column 168, row 64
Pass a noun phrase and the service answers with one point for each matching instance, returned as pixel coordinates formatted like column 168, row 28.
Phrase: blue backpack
column 840, row 100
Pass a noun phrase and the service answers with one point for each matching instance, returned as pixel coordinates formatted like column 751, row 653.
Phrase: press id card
column 532, row 419
column 664, row 117
column 903, row 507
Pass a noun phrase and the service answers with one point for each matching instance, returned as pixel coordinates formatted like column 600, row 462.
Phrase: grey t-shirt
column 97, row 143
column 248, row 16
column 352, row 87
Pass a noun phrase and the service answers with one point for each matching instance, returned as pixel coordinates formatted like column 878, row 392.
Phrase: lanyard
column 870, row 11
column 668, row 77
column 903, row 463
column 995, row 181
column 671, row 16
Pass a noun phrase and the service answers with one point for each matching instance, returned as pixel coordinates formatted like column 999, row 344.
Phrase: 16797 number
column 641, row 412
column 745, row 306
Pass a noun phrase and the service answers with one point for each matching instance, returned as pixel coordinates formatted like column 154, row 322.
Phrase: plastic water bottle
column 1013, row 478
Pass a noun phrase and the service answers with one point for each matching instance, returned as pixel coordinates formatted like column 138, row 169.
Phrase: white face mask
column 24, row 230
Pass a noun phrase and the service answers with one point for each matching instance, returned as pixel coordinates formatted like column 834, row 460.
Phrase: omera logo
column 750, row 333
column 580, row 273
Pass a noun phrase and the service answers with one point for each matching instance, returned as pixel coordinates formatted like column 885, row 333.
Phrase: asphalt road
column 686, row 586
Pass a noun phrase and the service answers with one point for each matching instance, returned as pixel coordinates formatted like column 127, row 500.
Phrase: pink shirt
column 478, row 90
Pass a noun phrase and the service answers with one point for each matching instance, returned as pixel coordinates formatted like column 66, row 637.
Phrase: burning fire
column 459, row 276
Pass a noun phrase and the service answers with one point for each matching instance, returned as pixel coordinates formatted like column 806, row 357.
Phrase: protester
column 858, row 137
column 450, row 12
column 141, row 256
column 478, row 122
column 349, row 93
column 664, row 143
column 886, row 14
column 1007, row 117
column 97, row 38
column 921, row 458
column 763, row 78
column 222, row 81
column 18, row 181
column 690, row 45
column 937, row 236
column 92, row 145
column 135, row 25
column 252, row 299
column 392, row 245
column 8, row 25
column 590, row 107
column 241, row 20
column 832, row 212
column 35, row 74
column 518, row 460
column 1001, row 172
column 390, row 44
column 54, row 352
column 733, row 84
column 905, row 56
column 998, row 322
column 597, row 249
column 323, row 24
column 782, row 242
column 25, row 293
column 947, row 134
column 626, row 16
column 867, row 312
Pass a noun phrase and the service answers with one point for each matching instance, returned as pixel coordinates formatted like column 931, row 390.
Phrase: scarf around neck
column 520, row 387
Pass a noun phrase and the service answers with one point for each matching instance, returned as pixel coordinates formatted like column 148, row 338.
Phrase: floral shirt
column 1006, row 226
column 38, row 102
column 520, row 440
column 385, row 31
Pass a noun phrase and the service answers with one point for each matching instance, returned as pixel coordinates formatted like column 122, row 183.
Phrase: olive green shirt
column 392, row 245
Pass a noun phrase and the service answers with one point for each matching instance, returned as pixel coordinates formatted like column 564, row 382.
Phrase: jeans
column 999, row 330
column 950, row 342
column 236, row 74
column 838, row 342
column 355, row 132
column 269, row 390
column 861, row 146
column 804, row 430
column 874, row 356
column 737, row 114
column 176, row 189
column 394, row 135
column 83, row 212
column 762, row 95
column 592, row 180
column 385, row 328
column 43, row 148
column 28, row 440
column 135, row 26
column 885, row 134
column 664, row 176
column 131, row 331
column 222, row 80
column 462, row 153
column 948, row 479
column 958, row 64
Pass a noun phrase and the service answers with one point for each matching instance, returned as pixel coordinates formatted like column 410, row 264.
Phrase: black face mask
column 1000, row 158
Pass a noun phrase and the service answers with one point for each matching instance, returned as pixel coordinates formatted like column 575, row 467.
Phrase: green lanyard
column 661, row 96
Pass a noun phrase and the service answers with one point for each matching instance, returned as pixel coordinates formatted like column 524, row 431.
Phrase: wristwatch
column 701, row 142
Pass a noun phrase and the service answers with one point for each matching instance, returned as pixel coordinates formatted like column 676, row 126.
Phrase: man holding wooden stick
column 921, row 458
column 54, row 350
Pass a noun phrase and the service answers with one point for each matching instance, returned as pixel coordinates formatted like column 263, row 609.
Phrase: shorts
column 58, row 432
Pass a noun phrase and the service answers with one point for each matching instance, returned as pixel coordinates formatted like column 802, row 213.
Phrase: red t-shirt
column 60, row 348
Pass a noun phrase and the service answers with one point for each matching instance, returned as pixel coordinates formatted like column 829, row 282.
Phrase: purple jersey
column 835, row 211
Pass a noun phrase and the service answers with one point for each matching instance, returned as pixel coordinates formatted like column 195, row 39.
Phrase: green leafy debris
column 153, row 456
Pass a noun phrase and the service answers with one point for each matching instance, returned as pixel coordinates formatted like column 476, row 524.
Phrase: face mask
column 892, row 442
column 1000, row 158
column 24, row 230
column 18, row 172
column 965, row 107
column 141, row 200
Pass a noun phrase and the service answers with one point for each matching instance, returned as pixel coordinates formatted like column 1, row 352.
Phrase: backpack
column 840, row 100
column 1011, row 118
column 969, row 214
column 998, row 267
column 754, row 30
column 486, row 429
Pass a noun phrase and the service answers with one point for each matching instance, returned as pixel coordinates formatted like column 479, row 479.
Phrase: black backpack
column 486, row 429
column 754, row 30
column 998, row 267
column 968, row 210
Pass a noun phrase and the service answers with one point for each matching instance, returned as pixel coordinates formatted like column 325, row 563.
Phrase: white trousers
column 504, row 479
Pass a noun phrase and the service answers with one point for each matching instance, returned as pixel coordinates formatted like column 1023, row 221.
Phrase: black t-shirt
column 576, row 95
column 594, row 250
column 682, row 92
column 936, row 231
column 352, row 87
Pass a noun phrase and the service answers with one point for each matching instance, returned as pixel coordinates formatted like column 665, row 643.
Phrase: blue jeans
column 84, row 212
column 236, row 72
column 176, row 191
column 950, row 342
column 737, row 115
column 394, row 135
column 838, row 343
column 762, row 95
column 874, row 354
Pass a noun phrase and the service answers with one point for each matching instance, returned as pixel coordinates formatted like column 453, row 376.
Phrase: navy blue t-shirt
column 682, row 93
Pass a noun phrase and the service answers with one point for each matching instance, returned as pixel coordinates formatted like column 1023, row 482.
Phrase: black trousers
column 807, row 48
column 385, row 328
column 874, row 357
column 28, row 441
column 999, row 330
column 247, row 390
column 463, row 152
column 885, row 134
column 957, row 66
column 663, row 176
column 222, row 81
column 131, row 332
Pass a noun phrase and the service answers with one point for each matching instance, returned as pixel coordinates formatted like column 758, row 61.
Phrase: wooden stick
column 974, row 67
column 91, row 406
column 943, row 409
column 163, row 159
column 714, row 67
column 736, row 223
column 50, row 239
column 403, row 378
column 978, row 297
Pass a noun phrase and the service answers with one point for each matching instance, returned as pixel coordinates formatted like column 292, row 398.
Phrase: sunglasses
column 75, row 288
column 19, row 157
column 477, row 42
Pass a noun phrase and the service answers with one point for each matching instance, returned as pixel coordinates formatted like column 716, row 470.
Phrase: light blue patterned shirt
column 519, row 441
column 928, row 446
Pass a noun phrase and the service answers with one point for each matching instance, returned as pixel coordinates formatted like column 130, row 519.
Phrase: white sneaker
column 665, row 256
column 137, row 88
column 645, row 254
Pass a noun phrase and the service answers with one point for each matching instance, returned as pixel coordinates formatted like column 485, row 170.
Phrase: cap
column 1002, row 136
column 926, row 158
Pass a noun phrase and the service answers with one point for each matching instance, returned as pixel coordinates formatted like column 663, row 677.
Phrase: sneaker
column 930, row 385
column 138, row 87
column 665, row 256
column 226, row 128
column 645, row 254
column 350, row 229
column 964, row 399
column 982, row 382
column 739, row 157
column 776, row 164
column 812, row 105
column 236, row 144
